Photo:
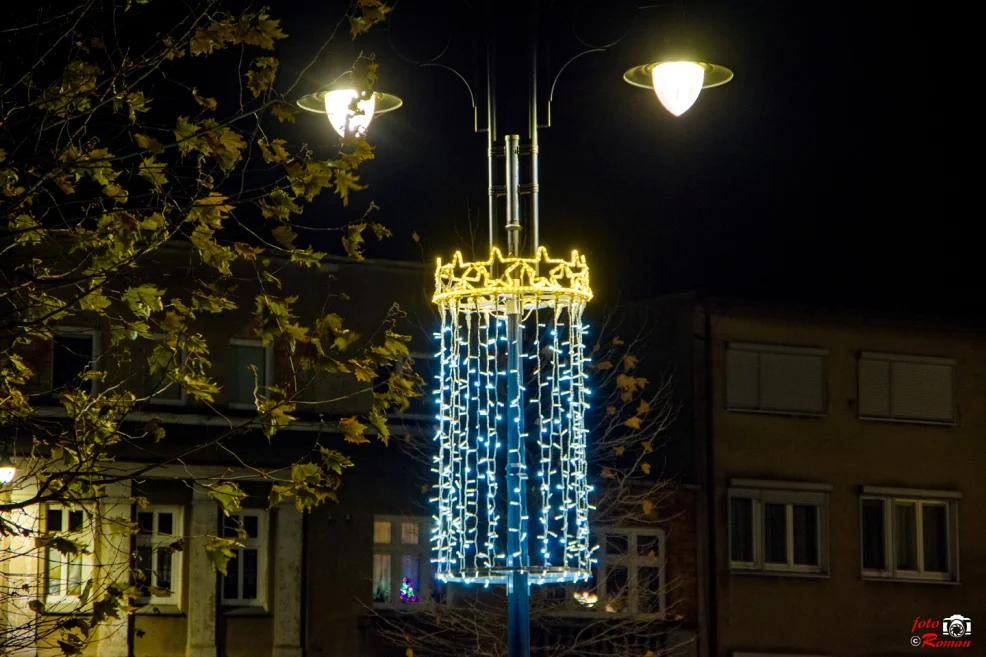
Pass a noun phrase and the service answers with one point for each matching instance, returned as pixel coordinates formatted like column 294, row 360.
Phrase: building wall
column 842, row 614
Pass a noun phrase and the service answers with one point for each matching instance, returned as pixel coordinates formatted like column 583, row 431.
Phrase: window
column 775, row 528
column 630, row 573
column 400, row 547
column 66, row 576
column 908, row 534
column 906, row 388
column 158, row 528
column 73, row 351
column 775, row 379
column 162, row 388
column 245, row 582
column 244, row 356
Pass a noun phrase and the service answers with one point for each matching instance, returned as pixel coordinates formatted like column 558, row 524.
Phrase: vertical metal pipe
column 535, row 217
column 490, row 140
column 512, row 157
column 518, row 585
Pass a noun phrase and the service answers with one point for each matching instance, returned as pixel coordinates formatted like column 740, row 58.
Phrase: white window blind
column 906, row 388
column 774, row 378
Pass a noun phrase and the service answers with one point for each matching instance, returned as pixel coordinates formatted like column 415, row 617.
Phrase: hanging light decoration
column 476, row 300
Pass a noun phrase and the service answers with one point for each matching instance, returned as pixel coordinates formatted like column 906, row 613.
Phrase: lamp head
column 7, row 468
column 349, row 111
column 678, row 83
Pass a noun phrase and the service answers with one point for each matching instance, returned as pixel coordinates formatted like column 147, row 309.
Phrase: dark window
column 240, row 378
column 805, row 535
column 935, row 530
column 874, row 536
column 775, row 533
column 905, row 536
column 741, row 529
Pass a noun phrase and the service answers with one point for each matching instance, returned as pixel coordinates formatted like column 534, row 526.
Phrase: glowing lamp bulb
column 345, row 120
column 678, row 85
column 7, row 472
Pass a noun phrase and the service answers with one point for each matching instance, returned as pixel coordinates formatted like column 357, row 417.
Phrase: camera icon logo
column 956, row 626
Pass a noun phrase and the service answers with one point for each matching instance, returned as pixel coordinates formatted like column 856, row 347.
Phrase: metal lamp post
column 511, row 348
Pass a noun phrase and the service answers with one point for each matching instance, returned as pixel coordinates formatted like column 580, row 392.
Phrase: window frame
column 177, row 570
column 788, row 494
column 159, row 401
column 893, row 359
column 75, row 332
column 262, row 545
column 891, row 497
column 396, row 549
column 774, row 349
column 64, row 601
column 268, row 369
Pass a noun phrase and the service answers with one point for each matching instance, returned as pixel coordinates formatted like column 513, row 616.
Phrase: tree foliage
column 128, row 127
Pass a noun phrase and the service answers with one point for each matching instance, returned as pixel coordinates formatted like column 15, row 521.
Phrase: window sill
column 152, row 609
column 759, row 411
column 896, row 420
column 63, row 606
column 910, row 580
column 246, row 610
column 779, row 573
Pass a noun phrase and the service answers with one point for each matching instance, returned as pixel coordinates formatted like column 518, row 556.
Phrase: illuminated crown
column 520, row 277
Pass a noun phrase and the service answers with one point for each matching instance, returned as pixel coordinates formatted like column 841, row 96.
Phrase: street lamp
column 678, row 83
column 7, row 468
column 349, row 111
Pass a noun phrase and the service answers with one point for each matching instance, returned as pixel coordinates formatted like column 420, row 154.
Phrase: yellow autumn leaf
column 408, row 653
column 610, row 410
column 633, row 423
column 415, row 237
column 648, row 507
column 648, row 447
column 352, row 430
column 630, row 361
column 608, row 474
column 645, row 467
column 208, row 103
column 643, row 407
column 619, row 450
column 148, row 143
column 603, row 366
column 617, row 341
column 652, row 555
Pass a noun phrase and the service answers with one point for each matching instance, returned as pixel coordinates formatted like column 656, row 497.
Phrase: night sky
column 818, row 174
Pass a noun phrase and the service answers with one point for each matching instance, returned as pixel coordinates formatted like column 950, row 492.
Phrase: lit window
column 73, row 352
column 67, row 575
column 778, row 531
column 906, row 388
column 909, row 534
column 401, row 573
column 245, row 581
column 630, row 574
column 245, row 358
column 775, row 379
column 156, row 556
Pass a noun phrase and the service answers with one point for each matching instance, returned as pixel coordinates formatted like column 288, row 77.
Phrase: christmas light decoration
column 407, row 591
column 542, row 300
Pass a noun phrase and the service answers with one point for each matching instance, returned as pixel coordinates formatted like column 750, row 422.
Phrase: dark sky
column 819, row 173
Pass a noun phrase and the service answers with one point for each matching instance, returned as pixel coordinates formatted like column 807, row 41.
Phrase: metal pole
column 490, row 139
column 512, row 153
column 535, row 223
column 518, row 585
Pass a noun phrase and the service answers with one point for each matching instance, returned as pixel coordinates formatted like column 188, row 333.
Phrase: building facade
column 841, row 460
